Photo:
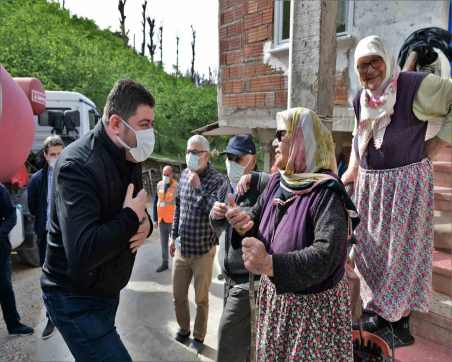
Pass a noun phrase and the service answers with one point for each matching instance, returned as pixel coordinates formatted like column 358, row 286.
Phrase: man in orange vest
column 166, row 206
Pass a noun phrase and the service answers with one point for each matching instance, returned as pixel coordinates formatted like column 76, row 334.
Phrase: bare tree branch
column 151, row 46
column 193, row 43
column 143, row 22
column 161, row 44
column 122, row 21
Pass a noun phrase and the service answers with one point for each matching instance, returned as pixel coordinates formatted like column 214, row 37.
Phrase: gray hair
column 199, row 140
column 52, row 141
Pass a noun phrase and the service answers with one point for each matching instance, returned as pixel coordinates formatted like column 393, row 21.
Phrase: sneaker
column 197, row 345
column 20, row 330
column 161, row 268
column 48, row 330
column 182, row 336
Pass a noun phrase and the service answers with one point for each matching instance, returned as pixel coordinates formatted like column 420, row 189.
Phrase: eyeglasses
column 374, row 63
column 195, row 152
column 280, row 135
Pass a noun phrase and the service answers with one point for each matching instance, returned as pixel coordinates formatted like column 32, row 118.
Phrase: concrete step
column 443, row 237
column 443, row 198
column 423, row 350
column 442, row 272
column 442, row 173
column 434, row 326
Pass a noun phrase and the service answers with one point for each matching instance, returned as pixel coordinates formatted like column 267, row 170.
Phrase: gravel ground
column 29, row 302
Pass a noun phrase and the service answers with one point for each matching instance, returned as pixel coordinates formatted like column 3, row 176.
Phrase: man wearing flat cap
column 245, row 186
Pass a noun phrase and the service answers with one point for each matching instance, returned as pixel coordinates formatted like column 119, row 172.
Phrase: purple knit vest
column 404, row 139
column 295, row 231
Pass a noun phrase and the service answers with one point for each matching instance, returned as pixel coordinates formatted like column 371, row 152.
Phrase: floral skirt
column 395, row 238
column 311, row 327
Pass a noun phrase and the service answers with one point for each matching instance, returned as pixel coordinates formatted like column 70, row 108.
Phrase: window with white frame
column 281, row 23
column 343, row 18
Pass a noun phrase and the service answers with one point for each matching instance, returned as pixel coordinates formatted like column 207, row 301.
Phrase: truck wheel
column 29, row 256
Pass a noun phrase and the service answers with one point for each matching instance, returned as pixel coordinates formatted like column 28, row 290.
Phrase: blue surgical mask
column 166, row 180
column 235, row 171
column 192, row 161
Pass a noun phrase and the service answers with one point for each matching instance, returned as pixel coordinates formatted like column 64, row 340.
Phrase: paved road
column 145, row 321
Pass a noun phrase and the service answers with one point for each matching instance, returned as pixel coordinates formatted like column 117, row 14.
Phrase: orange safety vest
column 166, row 204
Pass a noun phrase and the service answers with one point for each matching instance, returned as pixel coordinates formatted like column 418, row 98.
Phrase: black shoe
column 197, row 345
column 20, row 330
column 161, row 268
column 48, row 330
column 399, row 334
column 182, row 336
column 399, row 338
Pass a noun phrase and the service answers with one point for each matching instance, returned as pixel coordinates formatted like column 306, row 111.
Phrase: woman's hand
column 256, row 258
column 240, row 220
column 349, row 176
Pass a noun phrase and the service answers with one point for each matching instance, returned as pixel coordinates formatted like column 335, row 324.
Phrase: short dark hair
column 52, row 141
column 124, row 99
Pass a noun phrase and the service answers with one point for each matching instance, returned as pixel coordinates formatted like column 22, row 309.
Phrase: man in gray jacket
column 235, row 326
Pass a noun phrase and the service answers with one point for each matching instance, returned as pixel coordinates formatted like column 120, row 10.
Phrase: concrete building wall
column 253, row 77
column 392, row 20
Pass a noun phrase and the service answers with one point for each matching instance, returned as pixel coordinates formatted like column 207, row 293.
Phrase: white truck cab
column 82, row 110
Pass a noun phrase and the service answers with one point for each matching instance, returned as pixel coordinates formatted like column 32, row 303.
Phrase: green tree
column 42, row 40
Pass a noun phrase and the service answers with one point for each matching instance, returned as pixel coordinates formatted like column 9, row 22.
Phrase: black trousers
column 234, row 334
column 7, row 298
column 42, row 245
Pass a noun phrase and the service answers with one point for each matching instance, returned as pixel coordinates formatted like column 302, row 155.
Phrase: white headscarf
column 377, row 106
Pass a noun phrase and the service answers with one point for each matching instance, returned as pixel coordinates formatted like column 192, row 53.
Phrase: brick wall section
column 341, row 88
column 245, row 25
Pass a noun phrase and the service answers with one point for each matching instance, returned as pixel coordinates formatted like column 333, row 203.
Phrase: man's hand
column 137, row 203
column 138, row 239
column 172, row 247
column 256, row 258
column 194, row 180
column 244, row 184
column 240, row 220
column 219, row 210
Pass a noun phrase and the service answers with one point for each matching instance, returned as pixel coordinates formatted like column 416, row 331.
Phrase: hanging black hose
column 423, row 41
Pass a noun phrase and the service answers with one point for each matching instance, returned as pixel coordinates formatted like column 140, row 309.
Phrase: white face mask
column 166, row 179
column 145, row 143
column 52, row 161
column 192, row 161
column 235, row 171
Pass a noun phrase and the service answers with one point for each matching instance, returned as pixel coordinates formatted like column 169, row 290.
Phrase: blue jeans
column 87, row 325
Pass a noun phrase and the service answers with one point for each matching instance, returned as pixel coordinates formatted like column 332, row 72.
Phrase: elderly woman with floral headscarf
column 301, row 225
column 393, row 179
